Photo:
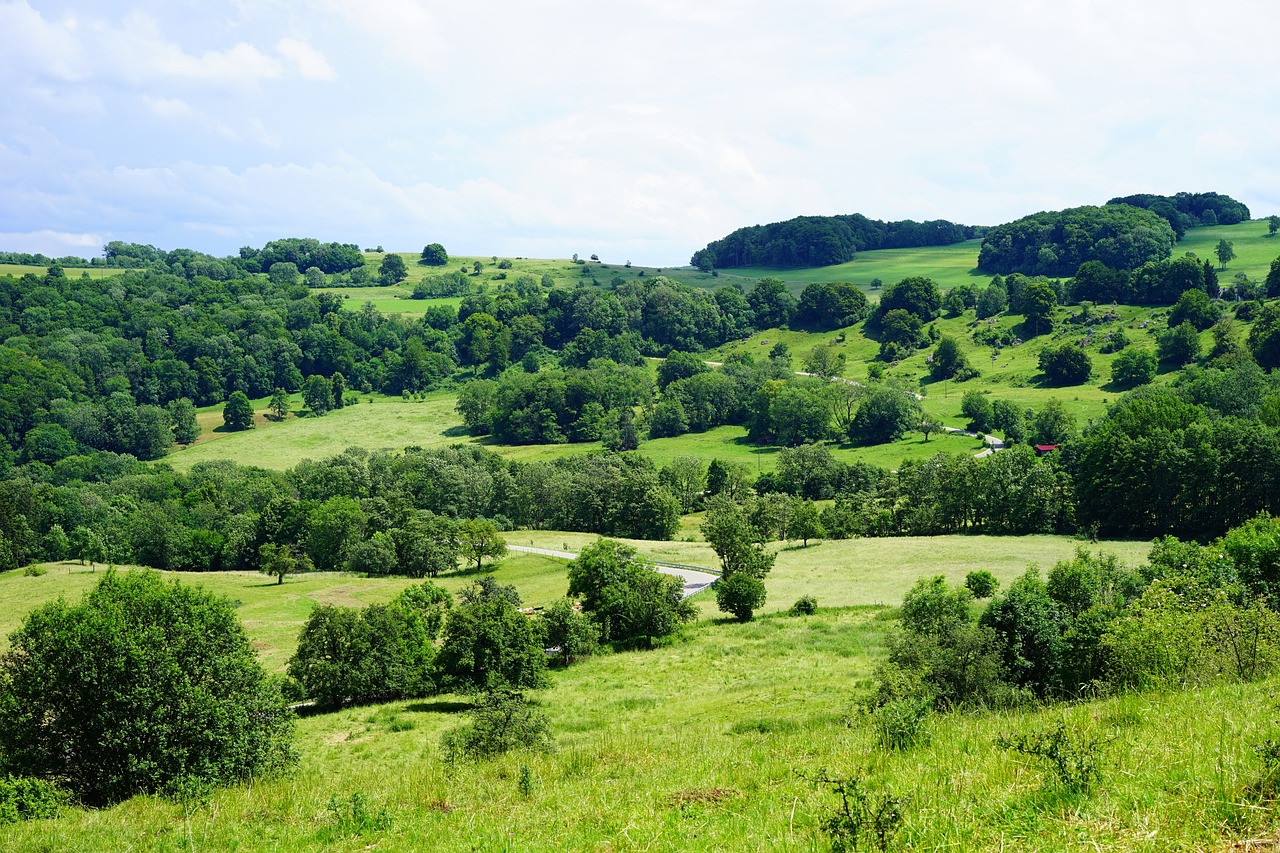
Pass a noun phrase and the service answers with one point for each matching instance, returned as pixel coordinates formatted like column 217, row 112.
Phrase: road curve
column 694, row 579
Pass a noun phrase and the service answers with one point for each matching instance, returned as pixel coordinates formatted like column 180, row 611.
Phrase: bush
column 501, row 721
column 806, row 605
column 381, row 652
column 741, row 595
column 24, row 798
column 981, row 583
column 860, row 816
column 140, row 684
column 902, row 722
column 1074, row 758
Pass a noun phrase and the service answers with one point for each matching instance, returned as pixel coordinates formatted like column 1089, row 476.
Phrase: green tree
column 279, row 405
column 1038, row 302
column 1179, row 344
column 736, row 540
column 1225, row 250
column 1053, row 424
column 740, row 595
column 805, row 522
column 479, row 540
column 238, row 412
column 772, row 304
column 948, row 361
column 317, row 394
column 631, row 601
column 339, row 385
column 570, row 631
column 886, row 414
column 433, row 254
column 138, row 687
column 1195, row 307
column 392, row 270
column 1273, row 224
column 279, row 560
column 1134, row 367
column 824, row 361
column 489, row 643
column 1065, row 364
column 375, row 556
column 976, row 406
column 183, row 413
column 284, row 273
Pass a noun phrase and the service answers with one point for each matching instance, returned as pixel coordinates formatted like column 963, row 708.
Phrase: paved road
column 993, row 443
column 694, row 581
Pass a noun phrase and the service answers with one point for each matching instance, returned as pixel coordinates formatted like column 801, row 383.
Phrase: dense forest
column 1190, row 210
column 819, row 241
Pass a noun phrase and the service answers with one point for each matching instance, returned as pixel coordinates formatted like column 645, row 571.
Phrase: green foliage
column 433, row 254
column 501, row 721
column 1057, row 243
column 932, row 607
column 886, row 414
column 1195, row 307
column 25, row 798
column 976, row 406
column 902, row 722
column 949, row 362
column 479, row 540
column 1226, row 251
column 741, row 595
column 735, row 539
column 806, row 605
column 238, row 412
column 1028, row 625
column 392, row 270
column 570, row 631
column 632, row 602
column 981, row 583
column 490, row 643
column 1134, row 367
column 139, row 684
column 1053, row 424
column 1179, row 344
column 378, row 653
column 819, row 241
column 1074, row 759
column 832, row 305
column 1254, row 550
column 1065, row 364
column 861, row 816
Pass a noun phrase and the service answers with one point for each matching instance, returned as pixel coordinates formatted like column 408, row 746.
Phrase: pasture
column 711, row 742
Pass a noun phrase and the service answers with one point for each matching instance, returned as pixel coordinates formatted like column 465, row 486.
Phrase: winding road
column 695, row 579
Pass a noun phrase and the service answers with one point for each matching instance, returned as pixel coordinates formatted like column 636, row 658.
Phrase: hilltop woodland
column 101, row 377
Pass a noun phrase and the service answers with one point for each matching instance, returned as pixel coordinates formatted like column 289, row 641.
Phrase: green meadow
column 19, row 270
column 711, row 742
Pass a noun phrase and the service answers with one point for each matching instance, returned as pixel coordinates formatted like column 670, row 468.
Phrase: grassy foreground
column 705, row 745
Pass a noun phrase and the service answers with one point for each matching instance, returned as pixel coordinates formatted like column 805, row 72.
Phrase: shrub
column 501, row 721
column 1073, row 758
column 981, row 583
column 741, row 595
column 932, row 607
column 902, row 722
column 138, row 685
column 569, row 630
column 806, row 605
column 24, row 798
column 861, row 816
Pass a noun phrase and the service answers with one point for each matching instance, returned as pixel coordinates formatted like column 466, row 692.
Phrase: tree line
column 819, row 241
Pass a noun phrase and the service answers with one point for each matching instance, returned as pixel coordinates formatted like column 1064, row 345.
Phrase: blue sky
column 638, row 131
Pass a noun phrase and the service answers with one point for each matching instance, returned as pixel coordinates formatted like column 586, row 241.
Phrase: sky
column 636, row 131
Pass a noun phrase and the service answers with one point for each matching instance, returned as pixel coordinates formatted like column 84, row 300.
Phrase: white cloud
column 310, row 63
column 54, row 244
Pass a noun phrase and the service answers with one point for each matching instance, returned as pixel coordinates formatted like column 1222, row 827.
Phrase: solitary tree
column 479, row 539
column 434, row 255
column 278, row 561
column 139, row 686
column 238, row 412
column 1225, row 252
column 1273, row 224
column 183, row 413
column 392, row 270
column 279, row 405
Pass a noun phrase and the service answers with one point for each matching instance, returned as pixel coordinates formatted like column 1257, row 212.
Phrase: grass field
column 710, row 743
column 19, row 270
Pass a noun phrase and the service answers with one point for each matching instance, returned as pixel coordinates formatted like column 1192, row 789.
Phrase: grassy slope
column 702, row 746
column 19, row 270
